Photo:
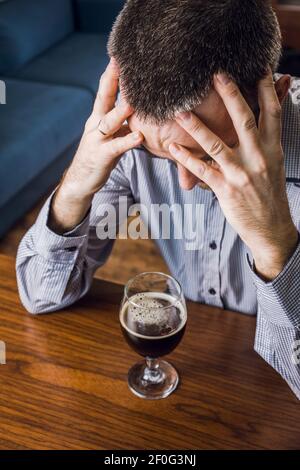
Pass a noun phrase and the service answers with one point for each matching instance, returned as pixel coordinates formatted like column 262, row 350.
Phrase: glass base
column 155, row 382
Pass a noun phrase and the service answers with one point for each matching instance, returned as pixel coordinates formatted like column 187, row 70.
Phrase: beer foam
column 152, row 309
column 147, row 310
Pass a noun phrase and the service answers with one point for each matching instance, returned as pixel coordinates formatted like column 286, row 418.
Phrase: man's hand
column 96, row 156
column 249, row 180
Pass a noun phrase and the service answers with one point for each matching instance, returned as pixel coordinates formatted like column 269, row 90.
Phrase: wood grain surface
column 64, row 383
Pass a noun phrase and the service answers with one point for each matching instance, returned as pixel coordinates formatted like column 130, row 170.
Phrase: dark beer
column 153, row 324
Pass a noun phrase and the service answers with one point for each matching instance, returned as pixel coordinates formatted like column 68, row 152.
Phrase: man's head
column 169, row 50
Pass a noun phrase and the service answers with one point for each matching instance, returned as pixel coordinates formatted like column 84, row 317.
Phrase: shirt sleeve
column 280, row 297
column 53, row 271
column 277, row 337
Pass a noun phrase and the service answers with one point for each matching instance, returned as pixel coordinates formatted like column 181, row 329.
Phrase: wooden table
column 64, row 383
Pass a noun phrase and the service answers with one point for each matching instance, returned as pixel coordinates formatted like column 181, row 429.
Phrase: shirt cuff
column 59, row 248
column 280, row 298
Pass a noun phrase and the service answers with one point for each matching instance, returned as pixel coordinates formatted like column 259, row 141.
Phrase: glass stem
column 152, row 363
column 152, row 373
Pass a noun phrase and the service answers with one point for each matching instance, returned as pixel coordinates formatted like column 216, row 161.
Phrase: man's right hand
column 96, row 156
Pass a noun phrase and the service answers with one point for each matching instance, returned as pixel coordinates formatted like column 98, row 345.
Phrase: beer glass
column 153, row 319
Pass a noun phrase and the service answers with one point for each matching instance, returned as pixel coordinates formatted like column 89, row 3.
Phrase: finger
column 112, row 121
column 108, row 90
column 116, row 147
column 210, row 143
column 270, row 109
column 186, row 179
column 204, row 172
column 238, row 109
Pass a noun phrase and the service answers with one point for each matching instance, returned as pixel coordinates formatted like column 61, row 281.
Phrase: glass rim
column 178, row 296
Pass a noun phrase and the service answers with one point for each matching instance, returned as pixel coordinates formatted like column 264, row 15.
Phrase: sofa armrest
column 96, row 16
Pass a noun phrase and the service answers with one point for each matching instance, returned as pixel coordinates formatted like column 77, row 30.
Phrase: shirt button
column 212, row 291
column 213, row 245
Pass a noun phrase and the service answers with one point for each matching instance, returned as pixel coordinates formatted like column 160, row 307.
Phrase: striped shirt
column 54, row 271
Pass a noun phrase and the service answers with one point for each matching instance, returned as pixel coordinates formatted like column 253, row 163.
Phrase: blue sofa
column 52, row 53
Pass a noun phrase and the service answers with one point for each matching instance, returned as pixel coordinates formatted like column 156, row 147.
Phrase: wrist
column 70, row 193
column 68, row 209
column 270, row 260
column 74, row 188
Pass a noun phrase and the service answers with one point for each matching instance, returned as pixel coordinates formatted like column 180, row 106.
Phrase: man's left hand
column 249, row 180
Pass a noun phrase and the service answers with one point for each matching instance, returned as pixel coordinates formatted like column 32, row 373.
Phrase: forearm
column 278, row 320
column 54, row 271
column 69, row 206
column 60, row 253
column 50, row 267
column 46, row 286
column 270, row 260
column 279, row 298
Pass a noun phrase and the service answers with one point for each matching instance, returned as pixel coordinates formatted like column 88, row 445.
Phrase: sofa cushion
column 35, row 189
column 79, row 60
column 38, row 123
column 28, row 27
column 96, row 16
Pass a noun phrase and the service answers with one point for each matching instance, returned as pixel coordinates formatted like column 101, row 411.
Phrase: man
column 197, row 90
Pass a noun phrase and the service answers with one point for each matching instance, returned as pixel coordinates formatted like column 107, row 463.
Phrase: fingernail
column 175, row 149
column 185, row 116
column 223, row 78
